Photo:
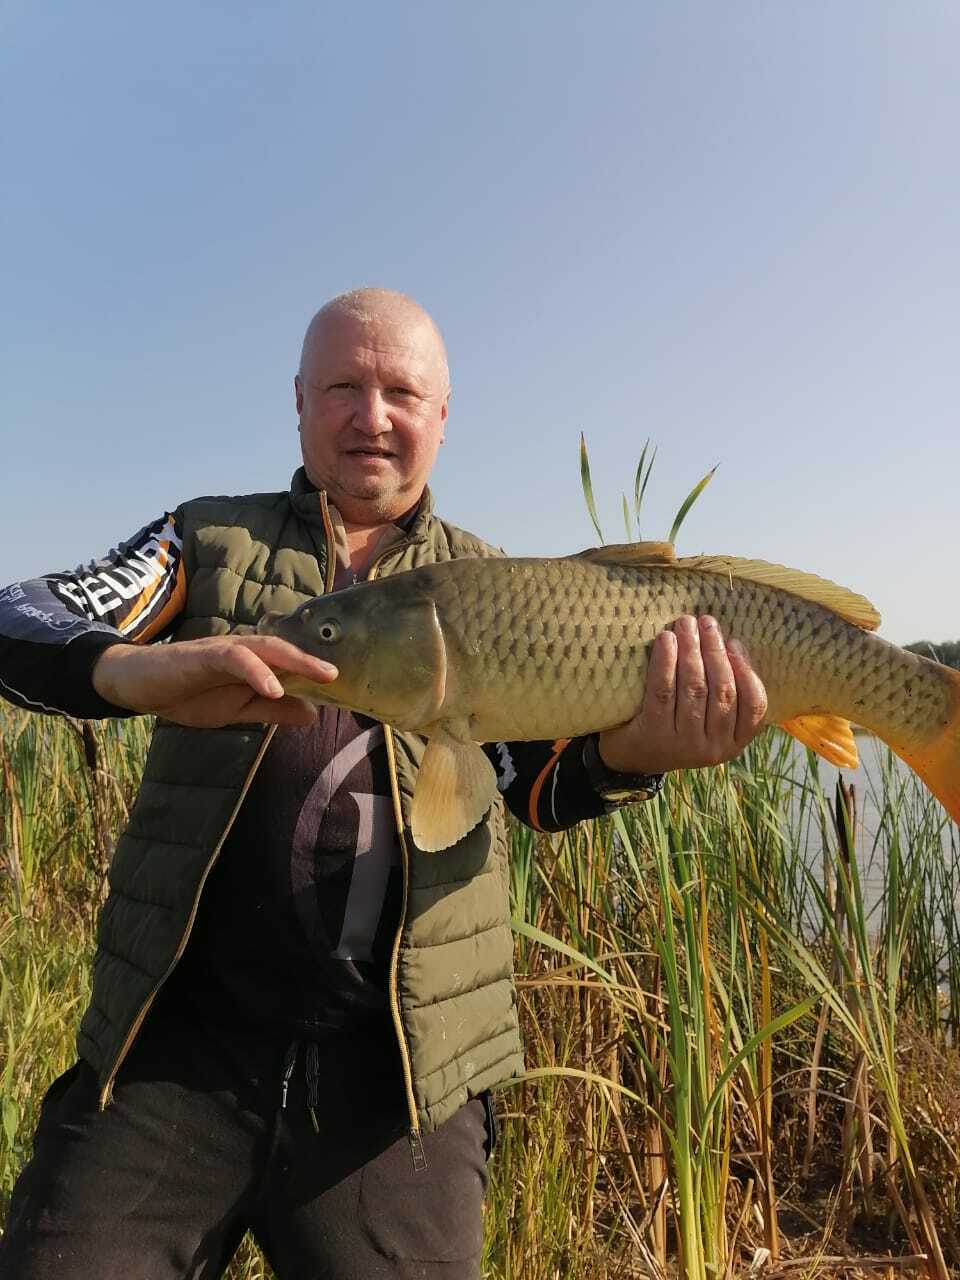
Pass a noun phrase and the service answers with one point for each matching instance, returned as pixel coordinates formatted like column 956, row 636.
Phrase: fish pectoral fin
column 630, row 554
column 829, row 736
column 301, row 687
column 455, row 787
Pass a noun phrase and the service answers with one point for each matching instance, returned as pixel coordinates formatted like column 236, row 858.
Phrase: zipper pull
column 289, row 1063
column 416, row 1149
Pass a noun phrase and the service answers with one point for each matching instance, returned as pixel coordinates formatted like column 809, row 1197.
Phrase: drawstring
column 312, row 1073
column 313, row 1082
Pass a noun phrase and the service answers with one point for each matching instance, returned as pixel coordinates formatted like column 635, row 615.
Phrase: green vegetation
column 948, row 652
column 728, row 1050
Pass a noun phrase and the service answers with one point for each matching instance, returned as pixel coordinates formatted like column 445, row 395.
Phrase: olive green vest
column 451, row 984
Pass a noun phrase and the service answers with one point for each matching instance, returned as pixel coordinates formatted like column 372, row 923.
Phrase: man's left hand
column 702, row 705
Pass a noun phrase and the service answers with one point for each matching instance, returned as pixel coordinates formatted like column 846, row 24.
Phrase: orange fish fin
column 807, row 586
column 829, row 736
column 630, row 553
column 938, row 762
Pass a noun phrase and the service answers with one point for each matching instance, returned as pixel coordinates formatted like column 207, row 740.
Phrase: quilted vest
column 451, row 987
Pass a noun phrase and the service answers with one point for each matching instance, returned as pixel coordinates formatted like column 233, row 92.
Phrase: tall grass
column 732, row 1055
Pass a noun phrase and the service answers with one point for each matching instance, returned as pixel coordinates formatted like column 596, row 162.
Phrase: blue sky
column 730, row 228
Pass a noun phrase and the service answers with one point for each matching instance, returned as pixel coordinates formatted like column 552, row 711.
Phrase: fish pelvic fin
column 937, row 762
column 455, row 787
column 828, row 735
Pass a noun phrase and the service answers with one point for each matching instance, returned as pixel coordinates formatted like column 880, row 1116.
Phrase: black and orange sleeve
column 53, row 628
column 545, row 784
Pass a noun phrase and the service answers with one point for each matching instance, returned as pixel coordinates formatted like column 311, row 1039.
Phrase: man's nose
column 371, row 413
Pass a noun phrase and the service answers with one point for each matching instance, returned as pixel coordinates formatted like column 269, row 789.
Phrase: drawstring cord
column 312, row 1076
column 312, row 1073
column 313, row 1082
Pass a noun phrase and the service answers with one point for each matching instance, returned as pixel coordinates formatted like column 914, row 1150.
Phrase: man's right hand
column 208, row 683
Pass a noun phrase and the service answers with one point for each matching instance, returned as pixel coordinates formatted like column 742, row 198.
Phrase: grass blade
column 588, row 487
column 688, row 502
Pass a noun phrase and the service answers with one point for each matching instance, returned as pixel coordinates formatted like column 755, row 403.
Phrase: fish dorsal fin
column 807, row 586
column 630, row 554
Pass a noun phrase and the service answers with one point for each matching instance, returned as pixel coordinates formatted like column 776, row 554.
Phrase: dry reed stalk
column 16, row 828
column 655, row 1161
column 771, row 1232
column 857, row 1117
column 907, row 1262
column 97, row 780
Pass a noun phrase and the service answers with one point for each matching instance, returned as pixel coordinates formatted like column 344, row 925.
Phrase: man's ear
column 444, row 410
column 298, row 391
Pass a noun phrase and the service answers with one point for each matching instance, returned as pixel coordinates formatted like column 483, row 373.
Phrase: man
column 296, row 1016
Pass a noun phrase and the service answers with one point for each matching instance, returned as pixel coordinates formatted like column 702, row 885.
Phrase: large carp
column 473, row 651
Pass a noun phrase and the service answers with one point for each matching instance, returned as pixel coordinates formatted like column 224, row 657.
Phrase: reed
column 708, row 996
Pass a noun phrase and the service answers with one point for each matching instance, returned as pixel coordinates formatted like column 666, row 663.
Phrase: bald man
column 297, row 1018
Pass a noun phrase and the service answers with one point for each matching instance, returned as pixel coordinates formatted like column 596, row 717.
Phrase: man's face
column 372, row 398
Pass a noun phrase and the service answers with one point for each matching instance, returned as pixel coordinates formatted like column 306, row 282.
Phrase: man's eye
column 405, row 392
column 340, row 386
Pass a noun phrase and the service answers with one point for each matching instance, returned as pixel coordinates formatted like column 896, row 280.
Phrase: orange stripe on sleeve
column 558, row 747
column 146, row 595
column 169, row 610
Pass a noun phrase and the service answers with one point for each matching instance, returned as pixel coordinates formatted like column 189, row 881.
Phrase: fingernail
column 736, row 648
column 274, row 687
column 708, row 624
column 685, row 626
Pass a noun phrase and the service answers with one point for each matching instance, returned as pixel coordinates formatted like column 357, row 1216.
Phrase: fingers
column 288, row 711
column 660, row 698
column 720, row 700
column 280, row 655
column 692, row 689
column 252, row 660
column 720, row 721
column 751, row 695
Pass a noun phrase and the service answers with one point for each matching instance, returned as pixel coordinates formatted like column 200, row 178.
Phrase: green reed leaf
column 588, row 487
column 688, row 502
column 641, row 481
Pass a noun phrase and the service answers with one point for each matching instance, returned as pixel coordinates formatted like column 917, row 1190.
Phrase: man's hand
column 703, row 704
column 209, row 683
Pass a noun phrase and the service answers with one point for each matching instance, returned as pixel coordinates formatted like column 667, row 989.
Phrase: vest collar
column 305, row 500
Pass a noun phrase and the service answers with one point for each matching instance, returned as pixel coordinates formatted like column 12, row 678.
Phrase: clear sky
column 731, row 228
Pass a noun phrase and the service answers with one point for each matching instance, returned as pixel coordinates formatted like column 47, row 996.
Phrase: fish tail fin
column 937, row 761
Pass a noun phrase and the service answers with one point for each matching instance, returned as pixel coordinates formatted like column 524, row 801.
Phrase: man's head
column 372, row 395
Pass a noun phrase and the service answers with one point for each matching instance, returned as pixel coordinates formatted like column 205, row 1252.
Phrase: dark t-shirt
column 297, row 921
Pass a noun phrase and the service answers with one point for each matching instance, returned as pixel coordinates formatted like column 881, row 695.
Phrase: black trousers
column 195, row 1149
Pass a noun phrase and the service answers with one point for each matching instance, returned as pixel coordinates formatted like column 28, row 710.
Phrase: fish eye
column 328, row 630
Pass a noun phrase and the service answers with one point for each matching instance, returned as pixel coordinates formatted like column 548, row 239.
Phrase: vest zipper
column 137, row 1023
column 414, row 1133
column 107, row 1091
